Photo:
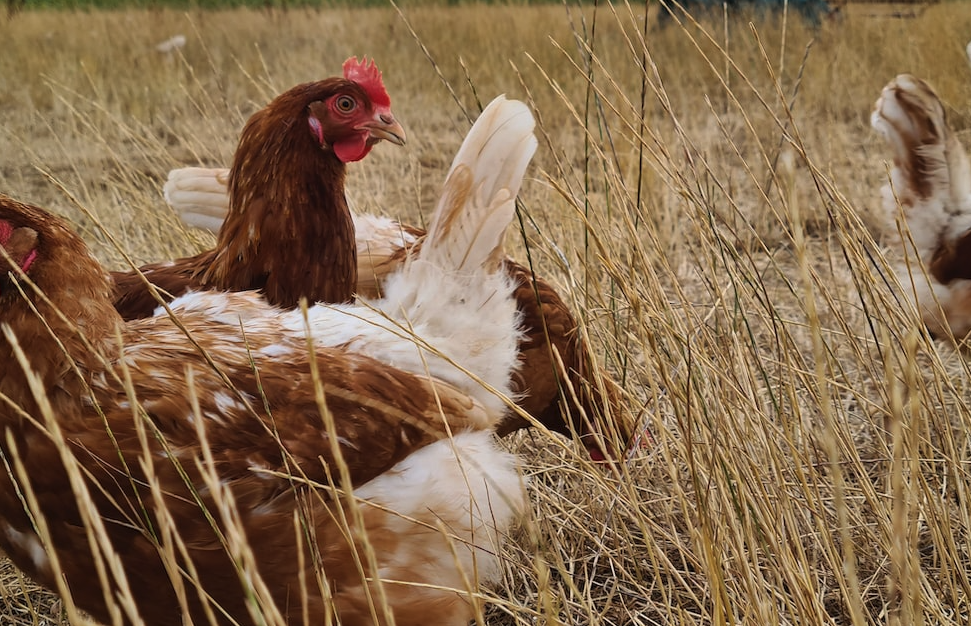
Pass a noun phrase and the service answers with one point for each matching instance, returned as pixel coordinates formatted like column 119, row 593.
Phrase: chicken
column 585, row 403
column 178, row 465
column 288, row 232
column 931, row 185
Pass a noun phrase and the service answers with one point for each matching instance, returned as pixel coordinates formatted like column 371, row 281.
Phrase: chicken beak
column 384, row 126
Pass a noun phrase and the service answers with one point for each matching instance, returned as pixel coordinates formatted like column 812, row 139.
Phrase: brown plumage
column 197, row 454
column 931, row 186
column 147, row 472
column 199, row 195
column 288, row 231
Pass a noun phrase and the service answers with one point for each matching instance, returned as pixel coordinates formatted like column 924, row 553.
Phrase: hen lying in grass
column 212, row 466
column 585, row 402
column 931, row 184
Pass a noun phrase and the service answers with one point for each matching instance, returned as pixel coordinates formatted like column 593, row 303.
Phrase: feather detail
column 382, row 245
column 455, row 290
column 200, row 194
column 931, row 185
column 479, row 198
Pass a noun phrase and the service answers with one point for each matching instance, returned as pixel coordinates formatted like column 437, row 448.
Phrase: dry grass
column 715, row 220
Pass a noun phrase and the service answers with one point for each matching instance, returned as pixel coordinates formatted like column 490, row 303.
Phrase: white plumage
column 199, row 195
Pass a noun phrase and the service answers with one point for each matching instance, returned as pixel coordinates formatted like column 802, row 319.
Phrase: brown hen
column 585, row 403
column 194, row 452
column 197, row 450
column 288, row 231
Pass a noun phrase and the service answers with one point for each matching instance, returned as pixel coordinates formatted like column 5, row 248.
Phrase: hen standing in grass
column 931, row 184
column 288, row 231
column 193, row 455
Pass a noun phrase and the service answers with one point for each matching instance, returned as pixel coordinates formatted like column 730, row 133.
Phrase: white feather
column 468, row 478
column 199, row 196
column 930, row 184
column 479, row 198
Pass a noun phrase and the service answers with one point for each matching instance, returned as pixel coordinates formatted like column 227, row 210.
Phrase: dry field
column 709, row 204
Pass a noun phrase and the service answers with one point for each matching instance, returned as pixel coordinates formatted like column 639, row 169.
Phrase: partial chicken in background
column 585, row 403
column 218, row 511
column 931, row 185
column 288, row 232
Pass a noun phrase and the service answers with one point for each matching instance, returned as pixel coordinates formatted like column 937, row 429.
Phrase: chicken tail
column 199, row 196
column 930, row 183
column 931, row 178
column 929, row 160
column 453, row 294
column 479, row 197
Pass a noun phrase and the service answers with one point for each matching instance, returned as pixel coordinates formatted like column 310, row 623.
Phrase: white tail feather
column 454, row 294
column 479, row 197
column 199, row 196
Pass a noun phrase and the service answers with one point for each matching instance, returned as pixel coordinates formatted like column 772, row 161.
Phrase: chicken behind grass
column 585, row 403
column 288, row 232
column 931, row 184
column 218, row 512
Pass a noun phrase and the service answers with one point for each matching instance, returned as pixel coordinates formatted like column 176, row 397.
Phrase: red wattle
column 352, row 149
column 28, row 260
column 596, row 454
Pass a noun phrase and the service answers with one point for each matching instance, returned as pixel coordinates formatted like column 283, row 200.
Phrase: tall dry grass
column 707, row 199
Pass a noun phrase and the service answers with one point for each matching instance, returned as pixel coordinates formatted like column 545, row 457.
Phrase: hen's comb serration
column 368, row 76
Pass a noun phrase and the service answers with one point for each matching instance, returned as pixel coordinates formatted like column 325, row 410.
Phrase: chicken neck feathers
column 288, row 232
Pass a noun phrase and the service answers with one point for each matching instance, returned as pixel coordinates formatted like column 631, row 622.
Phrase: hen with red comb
column 288, row 233
column 367, row 75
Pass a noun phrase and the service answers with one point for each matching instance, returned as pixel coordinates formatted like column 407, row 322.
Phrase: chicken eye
column 345, row 104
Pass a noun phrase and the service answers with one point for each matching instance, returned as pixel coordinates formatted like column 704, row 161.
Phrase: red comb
column 368, row 76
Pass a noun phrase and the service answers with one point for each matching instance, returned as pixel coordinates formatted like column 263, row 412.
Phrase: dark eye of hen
column 345, row 104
